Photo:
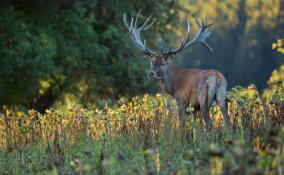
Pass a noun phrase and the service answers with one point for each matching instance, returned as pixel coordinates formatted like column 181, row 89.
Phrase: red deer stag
column 199, row 88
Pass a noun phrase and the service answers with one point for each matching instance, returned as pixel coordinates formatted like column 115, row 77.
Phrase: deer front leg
column 181, row 113
column 182, row 104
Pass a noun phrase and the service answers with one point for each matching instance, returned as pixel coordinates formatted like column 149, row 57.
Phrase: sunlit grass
column 143, row 136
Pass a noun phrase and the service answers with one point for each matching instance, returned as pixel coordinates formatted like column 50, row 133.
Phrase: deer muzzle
column 151, row 74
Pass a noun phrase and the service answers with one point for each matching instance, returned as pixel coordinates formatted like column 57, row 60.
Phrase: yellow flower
column 281, row 50
column 145, row 98
column 148, row 152
column 4, row 107
column 159, row 96
column 274, row 45
column 20, row 114
column 74, row 163
column 279, row 42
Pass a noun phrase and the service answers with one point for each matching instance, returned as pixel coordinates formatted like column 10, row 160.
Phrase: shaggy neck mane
column 169, row 80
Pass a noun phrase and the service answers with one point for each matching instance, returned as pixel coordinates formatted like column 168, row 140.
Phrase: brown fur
column 186, row 82
column 190, row 86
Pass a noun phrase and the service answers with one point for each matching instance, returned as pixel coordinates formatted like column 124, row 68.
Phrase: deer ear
column 148, row 57
column 170, row 58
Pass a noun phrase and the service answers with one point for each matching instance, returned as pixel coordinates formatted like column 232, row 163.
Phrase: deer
column 200, row 89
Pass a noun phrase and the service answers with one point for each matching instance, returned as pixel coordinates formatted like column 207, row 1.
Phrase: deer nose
column 150, row 74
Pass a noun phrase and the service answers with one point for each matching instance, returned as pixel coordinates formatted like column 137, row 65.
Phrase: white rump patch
column 213, row 103
column 221, row 92
column 212, row 88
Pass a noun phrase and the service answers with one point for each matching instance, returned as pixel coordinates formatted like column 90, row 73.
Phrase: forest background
column 59, row 52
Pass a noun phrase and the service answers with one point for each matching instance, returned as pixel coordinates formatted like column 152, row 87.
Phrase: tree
column 54, row 48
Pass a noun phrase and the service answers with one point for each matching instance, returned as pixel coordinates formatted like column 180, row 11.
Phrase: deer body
column 185, row 84
column 199, row 88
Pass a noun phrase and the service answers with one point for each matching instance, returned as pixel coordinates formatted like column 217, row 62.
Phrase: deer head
column 160, row 62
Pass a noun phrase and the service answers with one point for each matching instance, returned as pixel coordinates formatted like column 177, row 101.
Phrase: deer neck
column 169, row 80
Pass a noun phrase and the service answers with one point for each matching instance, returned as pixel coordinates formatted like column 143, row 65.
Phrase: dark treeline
column 55, row 51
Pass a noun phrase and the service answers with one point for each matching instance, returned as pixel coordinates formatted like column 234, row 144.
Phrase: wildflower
column 134, row 100
column 120, row 102
column 159, row 96
column 148, row 152
column 75, row 163
column 279, row 43
column 274, row 45
column 252, row 87
column 4, row 107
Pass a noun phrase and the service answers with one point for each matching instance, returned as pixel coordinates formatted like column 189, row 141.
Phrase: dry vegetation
column 142, row 136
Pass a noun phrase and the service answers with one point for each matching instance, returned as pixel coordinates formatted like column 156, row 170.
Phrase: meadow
column 142, row 136
column 75, row 98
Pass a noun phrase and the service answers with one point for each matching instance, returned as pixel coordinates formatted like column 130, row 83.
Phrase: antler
column 200, row 37
column 134, row 33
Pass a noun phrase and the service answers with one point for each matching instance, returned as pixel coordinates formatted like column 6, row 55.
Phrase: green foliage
column 79, row 47
column 25, row 58
column 276, row 86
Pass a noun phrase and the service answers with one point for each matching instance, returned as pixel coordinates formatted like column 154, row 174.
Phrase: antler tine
column 150, row 25
column 184, row 41
column 125, row 21
column 202, row 21
column 131, row 26
column 144, row 27
column 207, row 26
column 200, row 37
column 197, row 22
column 188, row 32
column 134, row 33
column 137, row 16
column 208, row 33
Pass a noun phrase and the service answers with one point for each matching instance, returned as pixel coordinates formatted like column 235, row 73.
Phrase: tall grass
column 143, row 137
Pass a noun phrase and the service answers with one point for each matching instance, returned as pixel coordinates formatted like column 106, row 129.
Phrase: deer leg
column 224, row 109
column 206, row 117
column 195, row 117
column 220, row 97
column 181, row 117
column 181, row 113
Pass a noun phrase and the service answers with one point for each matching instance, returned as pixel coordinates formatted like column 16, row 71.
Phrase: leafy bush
column 51, row 49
